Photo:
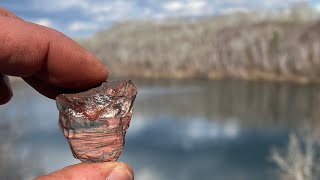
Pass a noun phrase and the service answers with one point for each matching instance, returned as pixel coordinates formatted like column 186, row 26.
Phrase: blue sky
column 84, row 17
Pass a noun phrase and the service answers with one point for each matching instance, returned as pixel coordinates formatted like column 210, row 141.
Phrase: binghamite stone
column 95, row 121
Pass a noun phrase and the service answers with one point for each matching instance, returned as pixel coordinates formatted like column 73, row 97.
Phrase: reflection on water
column 180, row 129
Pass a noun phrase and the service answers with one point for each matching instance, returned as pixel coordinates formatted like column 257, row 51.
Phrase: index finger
column 30, row 50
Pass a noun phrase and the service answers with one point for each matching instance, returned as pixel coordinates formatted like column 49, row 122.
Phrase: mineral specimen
column 95, row 121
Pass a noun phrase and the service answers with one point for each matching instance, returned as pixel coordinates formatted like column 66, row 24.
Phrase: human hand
column 52, row 64
column 96, row 171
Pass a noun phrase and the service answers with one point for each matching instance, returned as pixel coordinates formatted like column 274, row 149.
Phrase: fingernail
column 120, row 173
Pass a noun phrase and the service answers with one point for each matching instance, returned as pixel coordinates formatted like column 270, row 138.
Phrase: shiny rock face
column 95, row 121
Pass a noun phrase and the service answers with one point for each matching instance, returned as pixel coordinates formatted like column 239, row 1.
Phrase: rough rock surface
column 95, row 121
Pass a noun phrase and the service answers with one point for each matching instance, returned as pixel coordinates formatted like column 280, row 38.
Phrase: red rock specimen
column 95, row 121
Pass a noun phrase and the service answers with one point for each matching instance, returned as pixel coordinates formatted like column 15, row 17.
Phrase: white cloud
column 44, row 22
column 317, row 7
column 101, row 18
column 59, row 4
column 72, row 3
column 173, row 6
column 147, row 12
column 196, row 5
column 85, row 6
column 81, row 25
column 185, row 8
column 272, row 3
column 113, row 11
column 100, row 8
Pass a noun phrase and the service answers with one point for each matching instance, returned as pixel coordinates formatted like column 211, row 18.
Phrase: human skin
column 52, row 64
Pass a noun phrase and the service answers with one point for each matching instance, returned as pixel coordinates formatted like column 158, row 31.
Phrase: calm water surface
column 180, row 130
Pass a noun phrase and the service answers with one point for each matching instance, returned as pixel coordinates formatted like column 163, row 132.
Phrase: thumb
column 88, row 171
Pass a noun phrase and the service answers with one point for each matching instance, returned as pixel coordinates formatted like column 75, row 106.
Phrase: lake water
column 180, row 130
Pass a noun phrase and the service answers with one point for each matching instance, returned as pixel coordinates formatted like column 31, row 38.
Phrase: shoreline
column 259, row 77
column 248, row 75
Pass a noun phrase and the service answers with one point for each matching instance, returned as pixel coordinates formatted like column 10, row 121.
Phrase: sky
column 79, row 18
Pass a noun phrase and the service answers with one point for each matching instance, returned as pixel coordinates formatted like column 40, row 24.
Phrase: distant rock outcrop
column 213, row 48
